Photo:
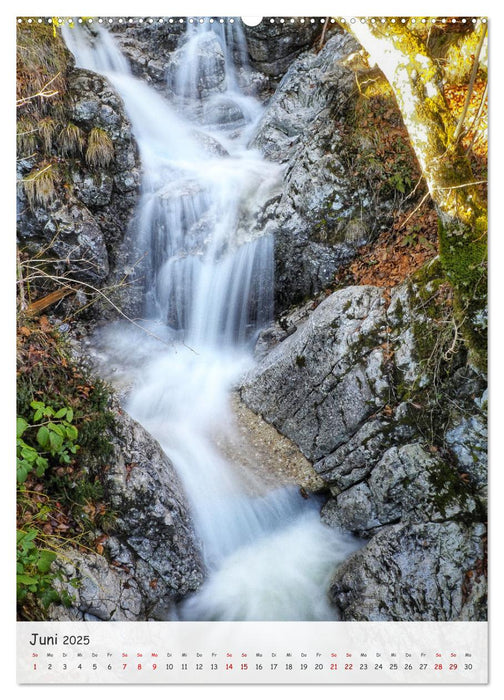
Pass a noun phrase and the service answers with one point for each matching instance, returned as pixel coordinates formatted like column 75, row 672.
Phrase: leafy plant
column 55, row 438
column 33, row 566
column 400, row 181
column 34, row 577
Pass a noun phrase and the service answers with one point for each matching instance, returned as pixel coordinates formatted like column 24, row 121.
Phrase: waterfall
column 209, row 291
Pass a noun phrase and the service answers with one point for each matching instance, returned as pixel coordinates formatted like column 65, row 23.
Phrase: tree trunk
column 416, row 82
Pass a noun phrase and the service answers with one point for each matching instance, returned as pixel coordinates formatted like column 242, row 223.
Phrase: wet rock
column 224, row 113
column 209, row 74
column 423, row 571
column 148, row 47
column 209, row 144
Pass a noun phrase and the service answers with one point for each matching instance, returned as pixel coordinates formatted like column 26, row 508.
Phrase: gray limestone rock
column 467, row 438
column 153, row 514
column 324, row 213
column 322, row 383
column 406, row 485
column 424, row 571
column 354, row 460
column 272, row 46
column 105, row 592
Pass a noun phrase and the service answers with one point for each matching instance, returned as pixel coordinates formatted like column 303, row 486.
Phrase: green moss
column 438, row 349
column 464, row 258
column 450, row 490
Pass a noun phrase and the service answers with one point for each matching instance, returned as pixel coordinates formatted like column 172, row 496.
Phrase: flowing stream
column 209, row 292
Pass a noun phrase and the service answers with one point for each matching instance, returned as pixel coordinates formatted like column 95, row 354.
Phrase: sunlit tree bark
column 416, row 81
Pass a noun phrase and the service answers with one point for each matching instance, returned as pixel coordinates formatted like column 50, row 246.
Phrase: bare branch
column 43, row 93
column 458, row 130
column 65, row 281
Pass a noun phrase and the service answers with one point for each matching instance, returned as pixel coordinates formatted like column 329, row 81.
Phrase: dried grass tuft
column 39, row 186
column 71, row 140
column 100, row 150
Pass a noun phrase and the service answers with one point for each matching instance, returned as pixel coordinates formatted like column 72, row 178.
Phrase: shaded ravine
column 209, row 292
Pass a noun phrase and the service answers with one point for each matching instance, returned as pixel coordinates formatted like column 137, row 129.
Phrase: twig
column 467, row 184
column 458, row 130
column 476, row 120
column 22, row 297
column 452, row 347
column 41, row 93
column 323, row 35
column 65, row 280
column 37, row 174
column 426, row 196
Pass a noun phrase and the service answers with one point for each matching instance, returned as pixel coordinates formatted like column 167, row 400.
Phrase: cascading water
column 209, row 291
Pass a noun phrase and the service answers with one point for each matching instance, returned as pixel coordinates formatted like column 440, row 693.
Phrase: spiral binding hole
column 248, row 21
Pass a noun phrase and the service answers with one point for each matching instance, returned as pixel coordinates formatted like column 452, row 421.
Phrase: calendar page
column 251, row 309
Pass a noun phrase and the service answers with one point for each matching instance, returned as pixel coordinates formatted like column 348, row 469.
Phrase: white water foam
column 210, row 285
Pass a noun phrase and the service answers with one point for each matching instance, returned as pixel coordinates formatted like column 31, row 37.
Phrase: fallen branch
column 37, row 306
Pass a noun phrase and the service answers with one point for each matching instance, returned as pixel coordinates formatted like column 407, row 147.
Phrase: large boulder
column 82, row 221
column 273, row 45
column 344, row 181
column 374, row 391
column 151, row 557
column 148, row 46
column 407, row 485
column 326, row 210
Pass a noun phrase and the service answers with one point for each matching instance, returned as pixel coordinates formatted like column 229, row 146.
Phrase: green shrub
column 34, row 577
column 55, row 438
